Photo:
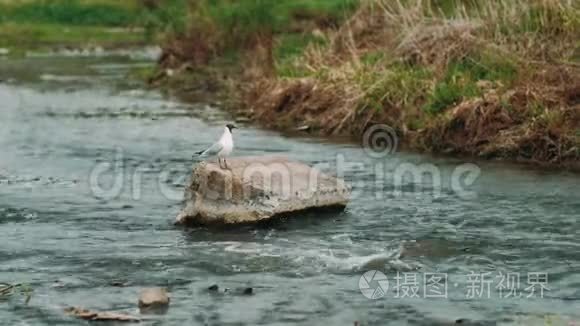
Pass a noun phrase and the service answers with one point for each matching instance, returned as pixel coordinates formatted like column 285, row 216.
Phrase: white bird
column 223, row 148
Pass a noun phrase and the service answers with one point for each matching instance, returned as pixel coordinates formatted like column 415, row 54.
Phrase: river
column 92, row 170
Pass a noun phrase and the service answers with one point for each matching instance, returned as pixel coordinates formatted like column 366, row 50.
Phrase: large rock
column 154, row 300
column 255, row 189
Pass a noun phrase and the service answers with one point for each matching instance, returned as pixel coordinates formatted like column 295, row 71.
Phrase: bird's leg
column 220, row 162
column 226, row 163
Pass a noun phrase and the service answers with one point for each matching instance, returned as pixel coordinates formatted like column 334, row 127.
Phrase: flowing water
column 92, row 170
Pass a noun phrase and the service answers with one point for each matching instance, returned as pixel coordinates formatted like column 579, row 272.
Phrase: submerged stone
column 213, row 288
column 255, row 189
column 99, row 316
column 154, row 300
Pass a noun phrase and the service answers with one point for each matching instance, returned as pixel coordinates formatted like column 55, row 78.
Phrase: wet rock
column 213, row 288
column 459, row 321
column 227, row 291
column 86, row 314
column 154, row 300
column 429, row 248
column 119, row 284
column 377, row 262
column 255, row 189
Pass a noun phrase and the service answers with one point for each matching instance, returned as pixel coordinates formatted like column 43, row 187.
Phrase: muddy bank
column 494, row 126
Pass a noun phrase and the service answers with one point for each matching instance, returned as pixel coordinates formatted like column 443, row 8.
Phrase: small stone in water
column 213, row 288
column 90, row 315
column 248, row 291
column 119, row 284
column 153, row 299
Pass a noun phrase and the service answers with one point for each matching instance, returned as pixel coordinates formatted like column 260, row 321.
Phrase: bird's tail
column 199, row 153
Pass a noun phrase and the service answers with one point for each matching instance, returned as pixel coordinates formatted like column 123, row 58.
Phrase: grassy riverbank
column 47, row 25
column 493, row 79
column 496, row 80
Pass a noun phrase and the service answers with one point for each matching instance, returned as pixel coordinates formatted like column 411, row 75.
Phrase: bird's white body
column 223, row 148
column 227, row 144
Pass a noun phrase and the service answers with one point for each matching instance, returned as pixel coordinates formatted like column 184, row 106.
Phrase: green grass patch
column 372, row 58
column 576, row 55
column 72, row 13
column 44, row 24
column 290, row 69
column 242, row 18
column 400, row 85
column 288, row 48
column 450, row 92
column 336, row 10
column 170, row 18
column 275, row 14
column 460, row 80
column 535, row 108
column 489, row 67
column 25, row 36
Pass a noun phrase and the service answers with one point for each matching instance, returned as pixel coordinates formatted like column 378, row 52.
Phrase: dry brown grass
column 538, row 120
column 535, row 116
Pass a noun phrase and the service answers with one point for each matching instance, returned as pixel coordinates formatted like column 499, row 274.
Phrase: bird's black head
column 231, row 127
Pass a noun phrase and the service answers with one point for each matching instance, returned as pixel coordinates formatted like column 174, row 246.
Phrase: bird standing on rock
column 223, row 148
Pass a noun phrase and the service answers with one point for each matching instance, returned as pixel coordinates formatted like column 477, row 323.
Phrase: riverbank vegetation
column 42, row 24
column 230, row 31
column 494, row 79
